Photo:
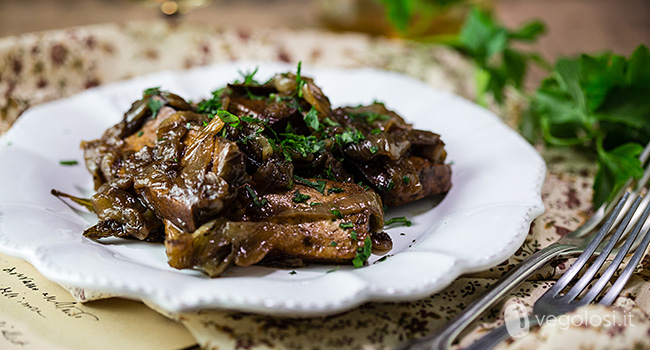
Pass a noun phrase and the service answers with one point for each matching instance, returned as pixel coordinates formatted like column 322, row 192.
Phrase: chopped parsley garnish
column 374, row 149
column 299, row 81
column 256, row 201
column 329, row 173
column 228, row 118
column 205, row 123
column 140, row 133
column 68, row 162
column 383, row 258
column 212, row 105
column 161, row 139
column 313, row 204
column 406, row 179
column 346, row 225
column 251, row 120
column 349, row 136
column 369, row 117
column 334, row 269
column 335, row 190
column 319, row 185
column 400, row 219
column 300, row 144
column 293, row 272
column 336, row 213
column 152, row 91
column 390, row 186
column 311, row 119
column 299, row 197
column 363, row 254
column 329, row 122
column 375, row 131
column 154, row 106
column 333, row 244
column 188, row 125
column 354, row 235
column 249, row 77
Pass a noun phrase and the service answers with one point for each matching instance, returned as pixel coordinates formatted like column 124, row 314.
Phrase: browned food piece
column 434, row 179
column 174, row 167
column 287, row 84
column 197, row 186
column 326, row 227
column 116, row 205
column 239, row 179
column 402, row 163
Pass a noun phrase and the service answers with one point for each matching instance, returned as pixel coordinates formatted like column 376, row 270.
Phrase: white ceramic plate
column 497, row 179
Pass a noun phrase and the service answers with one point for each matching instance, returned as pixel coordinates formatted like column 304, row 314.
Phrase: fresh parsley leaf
column 333, row 243
column 346, row 225
column 615, row 168
column 335, row 190
column 329, row 122
column 256, row 201
column 313, row 204
column 68, row 162
column 598, row 103
column 336, row 213
column 140, row 133
column 401, row 220
column 154, row 106
column 333, row 270
column 249, row 77
column 406, row 179
column 311, row 119
column 300, row 144
column 349, row 136
column 299, row 197
column 300, row 82
column 364, row 254
column 228, row 118
column 212, row 105
column 383, row 258
column 319, row 184
column 151, row 91
column 489, row 45
column 354, row 235
column 369, row 117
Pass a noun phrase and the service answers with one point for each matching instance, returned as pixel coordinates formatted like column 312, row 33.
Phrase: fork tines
column 599, row 286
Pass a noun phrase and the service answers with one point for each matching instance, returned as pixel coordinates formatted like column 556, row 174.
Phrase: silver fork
column 571, row 244
column 552, row 303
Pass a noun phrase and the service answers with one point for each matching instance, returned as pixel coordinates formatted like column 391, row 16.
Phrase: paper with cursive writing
column 36, row 313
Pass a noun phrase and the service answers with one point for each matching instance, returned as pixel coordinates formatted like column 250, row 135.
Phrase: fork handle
column 499, row 334
column 442, row 339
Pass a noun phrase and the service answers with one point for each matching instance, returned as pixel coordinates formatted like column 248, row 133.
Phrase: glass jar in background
column 173, row 7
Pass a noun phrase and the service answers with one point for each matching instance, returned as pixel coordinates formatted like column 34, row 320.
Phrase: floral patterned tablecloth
column 35, row 68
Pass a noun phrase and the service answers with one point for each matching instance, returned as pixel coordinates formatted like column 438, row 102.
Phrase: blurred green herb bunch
column 599, row 104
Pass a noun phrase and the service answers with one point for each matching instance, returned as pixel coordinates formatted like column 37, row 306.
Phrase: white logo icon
column 517, row 321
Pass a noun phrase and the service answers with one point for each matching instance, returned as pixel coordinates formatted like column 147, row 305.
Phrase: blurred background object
column 573, row 26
